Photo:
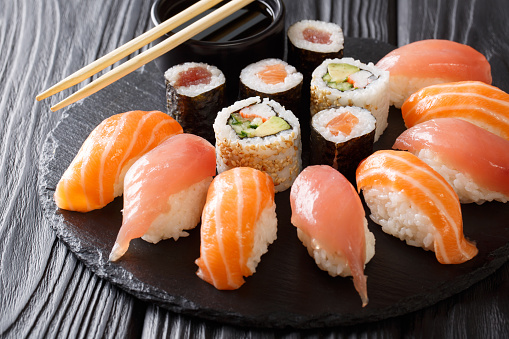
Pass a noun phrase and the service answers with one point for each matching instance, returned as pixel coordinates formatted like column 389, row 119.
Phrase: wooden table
column 46, row 292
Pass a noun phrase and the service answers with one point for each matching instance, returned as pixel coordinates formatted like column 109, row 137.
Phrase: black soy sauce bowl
column 229, row 56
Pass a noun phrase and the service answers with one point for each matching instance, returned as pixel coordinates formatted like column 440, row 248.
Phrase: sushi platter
column 287, row 290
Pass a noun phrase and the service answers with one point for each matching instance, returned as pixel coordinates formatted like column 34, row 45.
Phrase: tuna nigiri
column 483, row 105
column 474, row 161
column 96, row 175
column 238, row 223
column 331, row 223
column 165, row 191
column 428, row 62
column 414, row 203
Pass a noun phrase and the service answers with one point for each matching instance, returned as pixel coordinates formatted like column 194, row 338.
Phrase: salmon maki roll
column 165, row 191
column 474, row 161
column 238, row 223
column 414, row 203
column 96, row 175
column 481, row 104
column 430, row 62
column 331, row 223
column 273, row 79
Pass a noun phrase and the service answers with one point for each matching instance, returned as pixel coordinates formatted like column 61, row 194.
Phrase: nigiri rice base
column 265, row 234
column 334, row 263
column 401, row 87
column 468, row 191
column 184, row 213
column 399, row 217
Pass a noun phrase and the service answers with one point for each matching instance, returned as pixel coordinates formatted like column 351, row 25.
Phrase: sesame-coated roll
column 260, row 134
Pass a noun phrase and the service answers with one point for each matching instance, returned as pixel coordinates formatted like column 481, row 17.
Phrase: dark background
column 46, row 292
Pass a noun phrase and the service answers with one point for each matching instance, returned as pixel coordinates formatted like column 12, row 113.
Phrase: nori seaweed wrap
column 195, row 92
column 341, row 137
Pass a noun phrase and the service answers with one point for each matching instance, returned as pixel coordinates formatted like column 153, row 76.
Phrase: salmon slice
column 175, row 165
column 96, row 175
column 239, row 211
column 317, row 36
column 193, row 76
column 465, row 147
column 273, row 74
column 483, row 105
column 328, row 210
column 343, row 123
column 424, row 188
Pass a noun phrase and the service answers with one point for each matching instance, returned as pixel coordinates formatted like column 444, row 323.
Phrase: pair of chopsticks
column 145, row 57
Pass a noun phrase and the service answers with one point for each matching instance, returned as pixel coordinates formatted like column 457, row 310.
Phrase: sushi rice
column 184, row 214
column 399, row 217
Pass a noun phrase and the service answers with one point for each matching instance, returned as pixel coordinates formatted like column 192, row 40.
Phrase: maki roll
column 273, row 79
column 311, row 41
column 341, row 137
column 260, row 134
column 349, row 82
column 195, row 92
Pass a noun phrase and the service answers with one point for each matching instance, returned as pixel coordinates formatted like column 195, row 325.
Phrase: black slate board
column 288, row 290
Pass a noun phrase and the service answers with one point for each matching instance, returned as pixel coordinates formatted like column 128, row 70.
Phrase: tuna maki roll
column 273, row 79
column 349, row 82
column 260, row 134
column 341, row 137
column 195, row 92
column 310, row 42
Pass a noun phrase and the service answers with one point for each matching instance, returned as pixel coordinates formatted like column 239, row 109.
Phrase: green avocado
column 272, row 126
column 340, row 72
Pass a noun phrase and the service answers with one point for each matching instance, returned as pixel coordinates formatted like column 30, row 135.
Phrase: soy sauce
column 246, row 22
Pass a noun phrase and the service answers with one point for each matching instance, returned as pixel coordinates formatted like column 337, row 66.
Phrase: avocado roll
column 312, row 41
column 341, row 137
column 262, row 134
column 349, row 82
column 195, row 92
column 273, row 79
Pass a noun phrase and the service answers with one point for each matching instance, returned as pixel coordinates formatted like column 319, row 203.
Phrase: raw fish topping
column 193, row 76
column 317, row 36
column 343, row 123
column 273, row 74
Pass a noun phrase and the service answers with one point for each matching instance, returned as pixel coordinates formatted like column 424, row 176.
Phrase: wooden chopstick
column 154, row 52
column 130, row 47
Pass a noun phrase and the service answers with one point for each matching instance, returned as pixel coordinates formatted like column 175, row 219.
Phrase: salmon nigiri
column 429, row 62
column 414, row 203
column 238, row 223
column 331, row 223
column 165, row 191
column 483, row 105
column 96, row 175
column 474, row 161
